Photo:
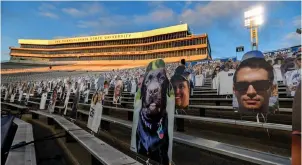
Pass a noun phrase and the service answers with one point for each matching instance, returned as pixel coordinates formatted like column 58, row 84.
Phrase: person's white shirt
column 215, row 82
column 225, row 82
column 199, row 80
column 43, row 100
column 133, row 86
column 277, row 72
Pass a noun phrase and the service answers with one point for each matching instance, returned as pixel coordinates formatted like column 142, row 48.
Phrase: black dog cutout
column 152, row 139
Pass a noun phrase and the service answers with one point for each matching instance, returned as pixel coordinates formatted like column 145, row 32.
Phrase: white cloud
column 297, row 21
column 197, row 15
column 106, row 25
column 205, row 14
column 158, row 15
column 47, row 10
column 84, row 10
column 187, row 4
column 155, row 3
column 46, row 6
column 49, row 14
column 87, row 24
column 73, row 12
column 291, row 39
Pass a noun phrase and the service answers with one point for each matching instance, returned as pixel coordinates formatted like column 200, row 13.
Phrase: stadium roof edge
column 280, row 49
column 133, row 35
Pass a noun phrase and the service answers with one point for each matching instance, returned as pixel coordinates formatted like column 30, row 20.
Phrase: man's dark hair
column 183, row 61
column 256, row 63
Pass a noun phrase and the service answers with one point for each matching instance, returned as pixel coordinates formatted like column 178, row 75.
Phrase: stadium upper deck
column 136, row 49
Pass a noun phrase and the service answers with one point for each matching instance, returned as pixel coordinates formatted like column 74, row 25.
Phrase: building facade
column 170, row 43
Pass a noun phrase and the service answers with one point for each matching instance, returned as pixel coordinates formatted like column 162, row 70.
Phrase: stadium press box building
column 106, row 52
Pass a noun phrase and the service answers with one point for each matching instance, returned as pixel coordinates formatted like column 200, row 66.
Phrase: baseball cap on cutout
column 252, row 54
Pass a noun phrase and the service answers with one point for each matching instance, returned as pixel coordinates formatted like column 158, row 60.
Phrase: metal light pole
column 253, row 19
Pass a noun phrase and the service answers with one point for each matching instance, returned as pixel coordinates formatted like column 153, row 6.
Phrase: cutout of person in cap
column 181, row 86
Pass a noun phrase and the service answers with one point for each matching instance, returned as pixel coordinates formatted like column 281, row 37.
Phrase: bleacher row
column 207, row 110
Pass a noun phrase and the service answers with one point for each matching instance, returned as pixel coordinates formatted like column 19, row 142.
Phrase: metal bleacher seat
column 25, row 155
column 214, row 146
column 99, row 150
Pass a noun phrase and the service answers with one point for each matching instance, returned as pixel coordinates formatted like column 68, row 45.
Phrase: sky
column 222, row 21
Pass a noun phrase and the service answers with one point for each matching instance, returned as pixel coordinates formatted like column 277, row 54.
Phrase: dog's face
column 154, row 89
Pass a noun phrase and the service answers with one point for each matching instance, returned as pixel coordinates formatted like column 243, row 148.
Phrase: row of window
column 114, row 42
column 179, row 53
column 195, row 41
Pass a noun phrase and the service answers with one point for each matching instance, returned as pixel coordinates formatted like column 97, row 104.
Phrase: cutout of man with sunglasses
column 253, row 85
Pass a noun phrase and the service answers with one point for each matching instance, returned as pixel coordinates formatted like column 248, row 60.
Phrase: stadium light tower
column 252, row 20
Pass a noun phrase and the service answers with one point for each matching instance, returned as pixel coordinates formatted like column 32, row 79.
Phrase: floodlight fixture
column 254, row 21
column 254, row 12
column 254, row 17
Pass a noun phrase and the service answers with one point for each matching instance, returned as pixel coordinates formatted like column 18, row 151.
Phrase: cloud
column 187, row 4
column 297, row 21
column 49, row 15
column 291, row 39
column 159, row 15
column 84, row 10
column 106, row 25
column 205, row 14
column 87, row 24
column 155, row 3
column 47, row 10
column 46, row 6
column 73, row 12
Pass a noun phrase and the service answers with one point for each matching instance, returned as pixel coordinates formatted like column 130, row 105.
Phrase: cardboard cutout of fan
column 153, row 117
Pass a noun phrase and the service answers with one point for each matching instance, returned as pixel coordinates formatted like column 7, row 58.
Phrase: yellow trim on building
column 155, row 32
